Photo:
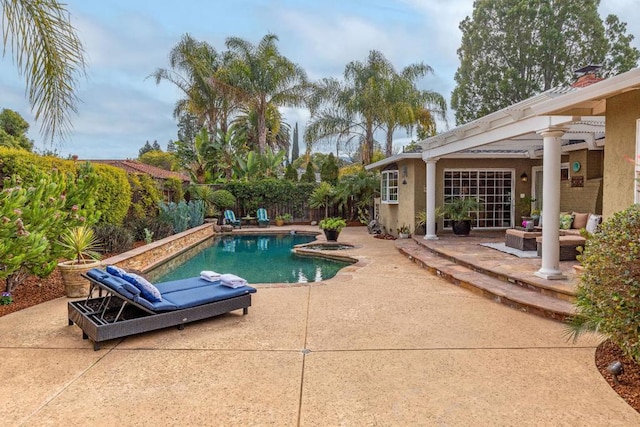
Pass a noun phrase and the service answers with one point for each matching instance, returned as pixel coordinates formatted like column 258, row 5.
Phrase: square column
column 550, row 268
column 431, row 200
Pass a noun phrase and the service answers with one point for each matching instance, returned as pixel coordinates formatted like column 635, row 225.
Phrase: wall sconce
column 524, row 177
column 405, row 173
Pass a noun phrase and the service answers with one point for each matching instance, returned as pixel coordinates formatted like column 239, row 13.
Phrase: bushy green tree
column 291, row 173
column 309, row 174
column 159, row 159
column 13, row 130
column 322, row 197
column 329, row 170
column 513, row 49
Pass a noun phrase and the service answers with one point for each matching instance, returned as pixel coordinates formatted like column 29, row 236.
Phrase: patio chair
column 263, row 218
column 230, row 218
column 126, row 308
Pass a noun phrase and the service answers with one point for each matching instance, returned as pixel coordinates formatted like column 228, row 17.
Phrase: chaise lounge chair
column 127, row 309
column 230, row 218
column 263, row 218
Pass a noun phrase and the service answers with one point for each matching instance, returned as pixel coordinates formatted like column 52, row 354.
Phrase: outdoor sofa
column 121, row 309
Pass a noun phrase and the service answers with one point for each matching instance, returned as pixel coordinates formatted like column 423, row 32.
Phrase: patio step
column 504, row 292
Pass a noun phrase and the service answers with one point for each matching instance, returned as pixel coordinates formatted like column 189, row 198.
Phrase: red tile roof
column 133, row 166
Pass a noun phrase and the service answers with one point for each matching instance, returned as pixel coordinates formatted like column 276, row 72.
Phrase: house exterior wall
column 519, row 166
column 618, row 187
column 411, row 197
column 587, row 198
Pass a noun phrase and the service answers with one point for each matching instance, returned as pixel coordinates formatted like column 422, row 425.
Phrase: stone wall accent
column 148, row 256
column 581, row 199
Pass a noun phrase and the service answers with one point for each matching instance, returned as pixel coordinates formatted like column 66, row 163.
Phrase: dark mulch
column 35, row 291
column 629, row 387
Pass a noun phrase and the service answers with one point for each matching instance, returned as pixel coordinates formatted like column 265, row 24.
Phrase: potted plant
column 280, row 220
column 421, row 221
column 81, row 245
column 332, row 227
column 288, row 218
column 458, row 211
column 404, row 232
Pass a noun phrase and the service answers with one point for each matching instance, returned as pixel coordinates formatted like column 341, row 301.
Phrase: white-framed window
column 564, row 172
column 389, row 188
column 494, row 189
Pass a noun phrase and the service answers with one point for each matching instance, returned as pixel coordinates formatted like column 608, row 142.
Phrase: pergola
column 520, row 131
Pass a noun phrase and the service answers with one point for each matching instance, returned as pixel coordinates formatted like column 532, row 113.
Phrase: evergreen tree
column 145, row 149
column 309, row 174
column 295, row 149
column 329, row 170
column 514, row 49
column 13, row 130
column 156, row 146
column 291, row 173
column 171, row 146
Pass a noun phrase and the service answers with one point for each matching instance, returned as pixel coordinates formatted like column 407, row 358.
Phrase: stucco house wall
column 618, row 186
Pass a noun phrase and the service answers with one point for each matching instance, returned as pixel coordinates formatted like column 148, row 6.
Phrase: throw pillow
column 566, row 221
column 116, row 271
column 147, row 290
column 579, row 220
column 593, row 223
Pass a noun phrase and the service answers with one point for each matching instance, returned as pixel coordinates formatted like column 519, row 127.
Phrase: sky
column 127, row 40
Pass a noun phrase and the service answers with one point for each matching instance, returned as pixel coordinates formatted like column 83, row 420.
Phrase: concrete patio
column 383, row 343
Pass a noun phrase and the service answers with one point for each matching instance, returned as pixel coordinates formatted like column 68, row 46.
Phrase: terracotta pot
column 75, row 285
column 279, row 222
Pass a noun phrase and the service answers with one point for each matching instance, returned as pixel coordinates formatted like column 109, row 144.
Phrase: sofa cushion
column 593, row 223
column 147, row 290
column 565, row 221
column 579, row 220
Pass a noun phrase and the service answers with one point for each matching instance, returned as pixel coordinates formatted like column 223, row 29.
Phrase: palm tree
column 50, row 55
column 199, row 71
column 406, row 105
column 352, row 110
column 263, row 77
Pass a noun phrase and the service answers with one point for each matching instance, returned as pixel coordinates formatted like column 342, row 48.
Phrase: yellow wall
column 618, row 186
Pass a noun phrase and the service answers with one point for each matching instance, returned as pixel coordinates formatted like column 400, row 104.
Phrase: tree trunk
column 367, row 149
column 262, row 127
column 389, row 146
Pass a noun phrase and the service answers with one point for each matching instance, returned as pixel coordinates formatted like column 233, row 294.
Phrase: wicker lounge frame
column 113, row 315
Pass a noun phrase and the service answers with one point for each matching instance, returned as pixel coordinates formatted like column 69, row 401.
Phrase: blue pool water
column 256, row 258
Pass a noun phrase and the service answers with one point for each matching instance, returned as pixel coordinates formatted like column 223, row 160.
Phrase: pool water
column 256, row 258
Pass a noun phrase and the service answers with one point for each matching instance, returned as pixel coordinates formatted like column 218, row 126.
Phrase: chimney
column 587, row 76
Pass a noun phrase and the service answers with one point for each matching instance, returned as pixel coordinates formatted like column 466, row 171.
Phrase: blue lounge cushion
column 163, row 305
column 204, row 295
column 116, row 271
column 181, row 284
column 147, row 290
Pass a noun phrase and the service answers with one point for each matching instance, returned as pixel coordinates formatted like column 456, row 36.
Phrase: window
column 389, row 189
column 492, row 186
column 564, row 172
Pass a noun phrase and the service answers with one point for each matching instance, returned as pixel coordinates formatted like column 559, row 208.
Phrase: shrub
column 176, row 214
column 113, row 195
column 114, row 238
column 608, row 296
column 35, row 215
column 195, row 208
column 333, row 223
column 223, row 199
column 160, row 229
column 145, row 196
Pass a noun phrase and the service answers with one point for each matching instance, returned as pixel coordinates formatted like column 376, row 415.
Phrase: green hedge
column 113, row 190
column 277, row 195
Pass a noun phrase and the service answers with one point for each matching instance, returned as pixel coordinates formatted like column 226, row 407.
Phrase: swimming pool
column 264, row 258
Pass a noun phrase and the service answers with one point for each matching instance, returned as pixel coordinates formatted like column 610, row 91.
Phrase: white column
column 550, row 268
column 431, row 200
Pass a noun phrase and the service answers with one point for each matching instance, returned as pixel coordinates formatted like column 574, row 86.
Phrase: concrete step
column 504, row 292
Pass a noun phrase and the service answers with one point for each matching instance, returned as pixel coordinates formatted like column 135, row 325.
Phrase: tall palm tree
column 199, row 71
column 49, row 54
column 405, row 105
column 352, row 109
column 264, row 77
